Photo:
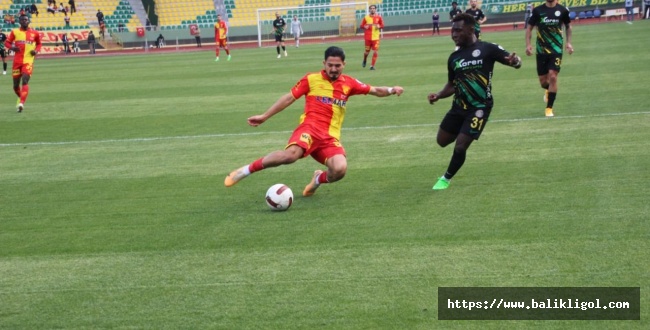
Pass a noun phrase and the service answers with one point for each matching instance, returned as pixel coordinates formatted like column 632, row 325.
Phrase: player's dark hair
column 465, row 18
column 334, row 51
column 455, row 3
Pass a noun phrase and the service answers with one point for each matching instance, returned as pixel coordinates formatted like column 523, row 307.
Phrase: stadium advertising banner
column 521, row 7
column 52, row 39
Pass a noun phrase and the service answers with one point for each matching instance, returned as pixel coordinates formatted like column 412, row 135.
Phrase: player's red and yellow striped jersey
column 26, row 40
column 325, row 100
column 372, row 33
column 220, row 30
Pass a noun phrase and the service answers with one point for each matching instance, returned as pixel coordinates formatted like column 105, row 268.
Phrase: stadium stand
column 48, row 21
column 175, row 14
column 116, row 13
column 179, row 13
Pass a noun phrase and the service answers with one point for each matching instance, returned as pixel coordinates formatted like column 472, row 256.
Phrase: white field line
column 189, row 137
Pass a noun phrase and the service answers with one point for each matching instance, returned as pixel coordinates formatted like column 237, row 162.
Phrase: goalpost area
column 319, row 21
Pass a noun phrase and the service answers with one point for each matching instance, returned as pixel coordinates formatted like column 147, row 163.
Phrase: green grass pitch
column 113, row 212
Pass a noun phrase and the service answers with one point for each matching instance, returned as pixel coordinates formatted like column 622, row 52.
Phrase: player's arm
column 447, row 91
column 380, row 24
column 483, row 19
column 529, row 34
column 569, row 46
column 386, row 91
column 282, row 103
column 9, row 41
column 38, row 45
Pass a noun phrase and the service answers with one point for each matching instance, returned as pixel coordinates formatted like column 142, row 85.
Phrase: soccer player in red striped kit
column 26, row 44
column 318, row 134
column 220, row 36
column 372, row 25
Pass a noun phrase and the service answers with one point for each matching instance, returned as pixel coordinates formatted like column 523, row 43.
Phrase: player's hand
column 15, row 49
column 256, row 120
column 514, row 60
column 33, row 52
column 569, row 48
column 433, row 97
column 529, row 50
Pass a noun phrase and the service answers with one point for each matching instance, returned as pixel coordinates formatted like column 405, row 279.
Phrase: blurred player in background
column 318, row 134
column 3, row 52
column 26, row 44
column 296, row 30
column 469, row 80
column 278, row 28
column 372, row 25
column 220, row 36
column 454, row 11
column 478, row 15
column 549, row 18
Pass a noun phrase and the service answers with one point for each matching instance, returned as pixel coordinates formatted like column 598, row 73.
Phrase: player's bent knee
column 336, row 175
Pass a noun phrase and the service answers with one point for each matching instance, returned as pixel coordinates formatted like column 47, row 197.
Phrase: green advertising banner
column 508, row 8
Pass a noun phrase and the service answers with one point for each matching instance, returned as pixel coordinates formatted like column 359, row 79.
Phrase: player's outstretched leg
column 310, row 189
column 236, row 176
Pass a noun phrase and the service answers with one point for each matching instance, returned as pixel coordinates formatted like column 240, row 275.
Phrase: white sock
column 247, row 170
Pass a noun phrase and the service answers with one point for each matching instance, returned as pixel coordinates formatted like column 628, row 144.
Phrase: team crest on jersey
column 479, row 113
column 557, row 13
column 476, row 53
column 346, row 90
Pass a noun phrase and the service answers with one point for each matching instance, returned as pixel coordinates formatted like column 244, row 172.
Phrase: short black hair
column 455, row 3
column 334, row 51
column 465, row 18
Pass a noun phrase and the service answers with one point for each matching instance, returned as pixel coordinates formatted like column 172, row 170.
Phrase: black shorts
column 547, row 62
column 278, row 38
column 3, row 53
column 470, row 122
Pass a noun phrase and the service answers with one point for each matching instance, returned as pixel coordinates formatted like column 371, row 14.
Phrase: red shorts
column 20, row 69
column 372, row 44
column 320, row 146
column 223, row 43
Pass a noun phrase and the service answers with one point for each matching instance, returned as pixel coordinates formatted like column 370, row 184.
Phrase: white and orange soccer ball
column 279, row 197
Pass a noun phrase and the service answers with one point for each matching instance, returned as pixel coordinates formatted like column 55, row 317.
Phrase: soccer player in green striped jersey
column 549, row 18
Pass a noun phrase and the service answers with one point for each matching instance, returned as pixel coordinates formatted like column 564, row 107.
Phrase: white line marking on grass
column 186, row 137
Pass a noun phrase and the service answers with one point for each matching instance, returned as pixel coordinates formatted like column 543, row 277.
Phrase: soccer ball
column 279, row 197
